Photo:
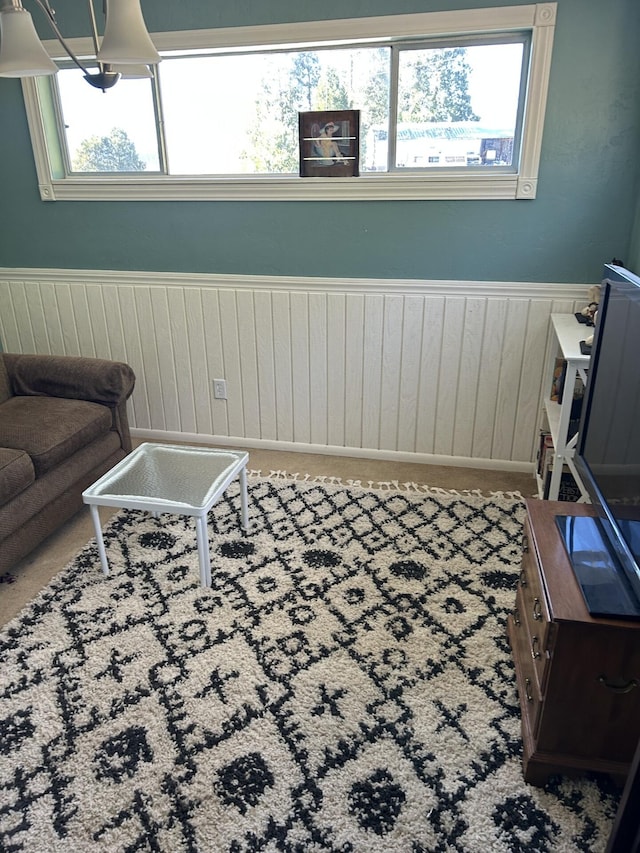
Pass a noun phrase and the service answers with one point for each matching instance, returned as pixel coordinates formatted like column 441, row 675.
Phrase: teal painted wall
column 584, row 215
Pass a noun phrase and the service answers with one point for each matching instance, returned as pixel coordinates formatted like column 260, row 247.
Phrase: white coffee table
column 170, row 478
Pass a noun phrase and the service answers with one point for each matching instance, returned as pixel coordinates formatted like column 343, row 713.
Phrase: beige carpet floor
column 37, row 569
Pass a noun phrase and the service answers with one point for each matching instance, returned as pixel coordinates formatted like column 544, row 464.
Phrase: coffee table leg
column 203, row 550
column 243, row 498
column 99, row 540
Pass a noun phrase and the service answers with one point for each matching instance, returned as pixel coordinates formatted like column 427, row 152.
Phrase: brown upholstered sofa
column 63, row 423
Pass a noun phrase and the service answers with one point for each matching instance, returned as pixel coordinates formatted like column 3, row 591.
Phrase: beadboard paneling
column 449, row 370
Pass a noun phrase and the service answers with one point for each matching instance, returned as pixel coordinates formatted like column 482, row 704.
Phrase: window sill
column 291, row 188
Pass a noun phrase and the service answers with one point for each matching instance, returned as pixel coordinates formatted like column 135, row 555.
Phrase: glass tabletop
column 172, row 475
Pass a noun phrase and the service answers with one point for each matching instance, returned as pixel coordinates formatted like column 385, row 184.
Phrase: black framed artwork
column 330, row 143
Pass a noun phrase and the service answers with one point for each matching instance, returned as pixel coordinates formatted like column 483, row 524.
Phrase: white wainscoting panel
column 423, row 370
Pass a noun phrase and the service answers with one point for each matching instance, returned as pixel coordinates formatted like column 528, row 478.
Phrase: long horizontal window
column 455, row 116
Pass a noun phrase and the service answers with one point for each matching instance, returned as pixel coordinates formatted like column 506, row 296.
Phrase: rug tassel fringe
column 379, row 485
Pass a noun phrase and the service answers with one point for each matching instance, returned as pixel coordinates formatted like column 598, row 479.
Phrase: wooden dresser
column 578, row 677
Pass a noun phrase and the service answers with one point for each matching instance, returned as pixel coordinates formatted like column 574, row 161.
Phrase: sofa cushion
column 50, row 429
column 16, row 473
column 5, row 382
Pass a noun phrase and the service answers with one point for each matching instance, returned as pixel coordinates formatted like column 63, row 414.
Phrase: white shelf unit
column 565, row 343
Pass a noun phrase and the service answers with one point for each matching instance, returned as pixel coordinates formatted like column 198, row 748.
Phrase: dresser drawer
column 527, row 682
column 532, row 604
column 533, row 635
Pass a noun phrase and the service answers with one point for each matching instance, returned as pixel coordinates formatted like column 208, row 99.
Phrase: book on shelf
column 545, row 446
column 568, row 489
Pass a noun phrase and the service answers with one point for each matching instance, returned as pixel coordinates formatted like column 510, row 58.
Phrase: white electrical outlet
column 220, row 389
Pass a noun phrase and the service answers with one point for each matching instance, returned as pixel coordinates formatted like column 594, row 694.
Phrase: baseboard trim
column 333, row 450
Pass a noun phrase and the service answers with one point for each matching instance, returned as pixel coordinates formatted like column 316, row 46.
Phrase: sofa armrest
column 95, row 379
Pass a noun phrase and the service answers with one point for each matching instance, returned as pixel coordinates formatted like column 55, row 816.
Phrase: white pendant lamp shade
column 133, row 72
column 21, row 52
column 126, row 40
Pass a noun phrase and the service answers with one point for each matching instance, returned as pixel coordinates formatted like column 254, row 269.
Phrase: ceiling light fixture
column 125, row 43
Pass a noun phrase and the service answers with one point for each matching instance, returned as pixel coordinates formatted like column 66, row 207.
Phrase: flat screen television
column 605, row 551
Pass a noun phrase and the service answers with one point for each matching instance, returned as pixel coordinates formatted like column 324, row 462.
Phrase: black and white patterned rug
column 345, row 685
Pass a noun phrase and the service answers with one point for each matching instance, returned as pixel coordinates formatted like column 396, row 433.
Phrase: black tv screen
column 607, row 458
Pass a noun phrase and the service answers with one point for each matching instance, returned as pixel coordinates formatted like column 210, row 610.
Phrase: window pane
column 458, row 106
column 238, row 114
column 114, row 131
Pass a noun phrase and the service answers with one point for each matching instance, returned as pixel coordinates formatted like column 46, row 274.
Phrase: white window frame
column 539, row 19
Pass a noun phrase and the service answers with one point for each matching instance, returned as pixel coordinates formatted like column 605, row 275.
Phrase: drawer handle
column 527, row 689
column 523, row 578
column 537, row 609
column 516, row 616
column 535, row 648
column 618, row 685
